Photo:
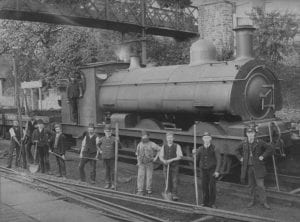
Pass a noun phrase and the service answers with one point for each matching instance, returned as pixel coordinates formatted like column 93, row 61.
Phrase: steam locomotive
column 222, row 97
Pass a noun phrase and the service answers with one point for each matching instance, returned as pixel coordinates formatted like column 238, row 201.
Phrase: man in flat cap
column 208, row 159
column 146, row 152
column 170, row 154
column 59, row 148
column 89, row 153
column 252, row 153
column 42, row 138
column 107, row 149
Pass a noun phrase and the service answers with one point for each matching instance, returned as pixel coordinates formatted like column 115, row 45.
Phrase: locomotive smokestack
column 134, row 62
column 244, row 42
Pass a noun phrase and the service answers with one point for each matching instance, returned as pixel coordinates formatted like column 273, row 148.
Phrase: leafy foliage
column 51, row 52
column 274, row 34
column 174, row 3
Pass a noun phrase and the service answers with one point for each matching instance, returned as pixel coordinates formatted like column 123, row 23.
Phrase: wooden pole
column 195, row 165
column 273, row 158
column 17, row 92
column 116, row 155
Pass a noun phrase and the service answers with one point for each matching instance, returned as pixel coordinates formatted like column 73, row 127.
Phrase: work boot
column 107, row 186
column 139, row 193
column 93, row 182
column 251, row 204
column 214, row 206
column 175, row 197
column 112, row 187
column 149, row 192
column 267, row 206
column 8, row 166
column 58, row 175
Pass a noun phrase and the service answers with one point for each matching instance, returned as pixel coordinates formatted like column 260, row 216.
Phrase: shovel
column 33, row 168
column 166, row 194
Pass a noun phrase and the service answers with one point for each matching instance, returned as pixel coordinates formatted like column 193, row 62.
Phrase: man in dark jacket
column 59, row 148
column 30, row 127
column 42, row 137
column 252, row 153
column 208, row 159
column 89, row 153
column 74, row 92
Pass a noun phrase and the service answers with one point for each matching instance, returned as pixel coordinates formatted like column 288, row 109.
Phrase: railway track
column 109, row 201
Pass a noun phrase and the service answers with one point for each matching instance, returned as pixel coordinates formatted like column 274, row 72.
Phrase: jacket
column 60, row 148
column 259, row 148
column 43, row 138
column 208, row 158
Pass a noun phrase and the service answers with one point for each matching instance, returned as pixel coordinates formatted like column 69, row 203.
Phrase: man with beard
column 252, row 153
column 147, row 153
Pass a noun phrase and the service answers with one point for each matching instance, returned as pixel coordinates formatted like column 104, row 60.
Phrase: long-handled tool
column 166, row 194
column 273, row 158
column 116, row 155
column 33, row 168
column 55, row 154
column 195, row 165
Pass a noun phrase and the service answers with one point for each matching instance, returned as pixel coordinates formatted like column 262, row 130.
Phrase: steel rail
column 123, row 213
column 102, row 209
column 177, row 206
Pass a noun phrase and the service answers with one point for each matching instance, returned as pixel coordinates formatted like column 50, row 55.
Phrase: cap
column 144, row 133
column 91, row 125
column 40, row 121
column 57, row 125
column 169, row 133
column 250, row 130
column 206, row 134
column 107, row 127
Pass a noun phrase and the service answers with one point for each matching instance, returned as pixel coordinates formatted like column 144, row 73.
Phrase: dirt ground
column 127, row 182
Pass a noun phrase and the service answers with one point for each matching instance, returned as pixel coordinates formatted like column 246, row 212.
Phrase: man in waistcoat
column 208, row 159
column 15, row 143
column 107, row 149
column 42, row 137
column 170, row 154
column 89, row 153
column 59, row 148
column 74, row 92
column 252, row 153
column 30, row 127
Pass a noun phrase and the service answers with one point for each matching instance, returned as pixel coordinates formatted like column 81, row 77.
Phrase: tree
column 274, row 34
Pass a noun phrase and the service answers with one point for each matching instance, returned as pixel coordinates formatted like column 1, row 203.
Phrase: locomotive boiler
column 221, row 97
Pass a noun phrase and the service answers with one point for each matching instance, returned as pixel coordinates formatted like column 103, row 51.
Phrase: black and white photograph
column 149, row 110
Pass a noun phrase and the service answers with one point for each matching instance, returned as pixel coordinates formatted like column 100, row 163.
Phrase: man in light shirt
column 88, row 153
column 170, row 154
column 15, row 143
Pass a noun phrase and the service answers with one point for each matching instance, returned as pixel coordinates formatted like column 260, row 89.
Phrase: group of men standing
column 252, row 153
column 42, row 140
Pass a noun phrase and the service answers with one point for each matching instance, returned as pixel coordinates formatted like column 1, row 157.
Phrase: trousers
column 257, row 187
column 208, row 184
column 109, row 166
column 173, row 178
column 61, row 166
column 11, row 149
column 82, row 171
column 145, row 171
column 43, row 155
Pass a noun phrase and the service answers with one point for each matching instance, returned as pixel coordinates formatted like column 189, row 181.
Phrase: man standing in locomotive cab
column 252, row 153
column 30, row 127
column 15, row 143
column 59, row 148
column 41, row 137
column 74, row 92
column 147, row 153
column 170, row 154
column 89, row 153
column 107, row 149
column 209, row 161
